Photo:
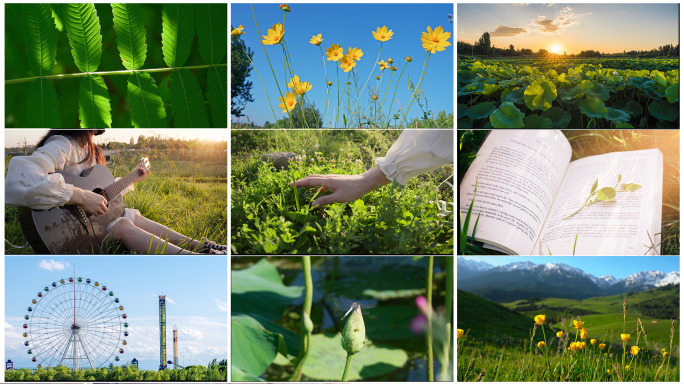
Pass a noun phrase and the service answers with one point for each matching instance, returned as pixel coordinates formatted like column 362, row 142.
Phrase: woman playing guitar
column 31, row 182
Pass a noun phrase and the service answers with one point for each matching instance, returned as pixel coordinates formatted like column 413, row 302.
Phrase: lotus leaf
column 507, row 116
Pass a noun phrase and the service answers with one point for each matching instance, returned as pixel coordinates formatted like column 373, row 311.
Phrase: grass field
column 592, row 142
column 269, row 216
column 193, row 209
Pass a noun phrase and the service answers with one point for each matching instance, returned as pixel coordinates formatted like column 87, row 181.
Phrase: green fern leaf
column 212, row 31
column 178, row 23
column 147, row 107
column 217, row 84
column 187, row 102
column 41, row 37
column 42, row 109
column 83, row 30
column 130, row 34
column 93, row 103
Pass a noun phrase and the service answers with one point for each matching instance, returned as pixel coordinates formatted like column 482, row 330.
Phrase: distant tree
column 484, row 44
column 240, row 66
column 564, row 53
column 542, row 52
column 511, row 47
column 526, row 51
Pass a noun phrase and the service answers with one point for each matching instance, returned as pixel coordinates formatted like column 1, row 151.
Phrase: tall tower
column 175, row 347
column 162, row 332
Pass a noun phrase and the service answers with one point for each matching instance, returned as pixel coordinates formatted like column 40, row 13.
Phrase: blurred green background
column 16, row 66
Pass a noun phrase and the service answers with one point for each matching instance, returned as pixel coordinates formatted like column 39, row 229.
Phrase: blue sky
column 349, row 25
column 196, row 300
column 618, row 266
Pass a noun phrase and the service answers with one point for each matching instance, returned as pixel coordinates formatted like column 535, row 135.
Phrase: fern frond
column 93, row 103
column 40, row 36
column 217, row 84
column 178, row 26
column 42, row 108
column 83, row 30
column 212, row 31
column 187, row 102
column 130, row 34
column 147, row 107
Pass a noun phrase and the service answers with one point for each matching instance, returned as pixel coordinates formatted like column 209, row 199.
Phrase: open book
column 527, row 186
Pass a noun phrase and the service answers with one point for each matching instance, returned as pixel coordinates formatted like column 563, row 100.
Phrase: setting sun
column 555, row 49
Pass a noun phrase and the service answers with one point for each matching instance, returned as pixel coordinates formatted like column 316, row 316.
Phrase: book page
column 621, row 226
column 518, row 173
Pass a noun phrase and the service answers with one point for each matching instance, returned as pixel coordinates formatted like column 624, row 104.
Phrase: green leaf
column 40, row 37
column 147, row 107
column 606, row 193
column 672, row 92
column 664, row 111
column 212, row 31
column 619, row 180
column 536, row 121
column 592, row 124
column 593, row 187
column 593, row 107
column 481, row 111
column 187, row 102
column 93, row 103
column 83, row 30
column 596, row 90
column 540, row 95
column 634, row 108
column 43, row 107
column 517, row 96
column 462, row 110
column 130, row 34
column 623, row 125
column 660, row 78
column 255, row 347
column 217, row 84
column 57, row 15
column 507, row 116
column 617, row 115
column 178, row 23
column 489, row 89
column 631, row 187
column 559, row 117
column 164, row 89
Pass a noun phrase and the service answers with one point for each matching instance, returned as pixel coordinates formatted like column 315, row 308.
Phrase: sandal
column 210, row 247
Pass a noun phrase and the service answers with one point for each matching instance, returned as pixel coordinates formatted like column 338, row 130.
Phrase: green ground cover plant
column 65, row 65
column 596, row 142
column 568, row 94
column 270, row 216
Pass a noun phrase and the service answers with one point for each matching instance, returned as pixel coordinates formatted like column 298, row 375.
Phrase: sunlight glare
column 555, row 49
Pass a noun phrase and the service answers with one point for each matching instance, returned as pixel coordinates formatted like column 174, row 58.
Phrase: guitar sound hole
column 102, row 192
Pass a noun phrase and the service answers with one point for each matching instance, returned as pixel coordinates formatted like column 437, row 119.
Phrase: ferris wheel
column 75, row 323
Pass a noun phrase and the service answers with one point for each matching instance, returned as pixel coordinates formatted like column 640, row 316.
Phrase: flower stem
column 416, row 92
column 394, row 94
column 327, row 93
column 263, row 85
column 369, row 75
column 350, row 357
column 428, row 293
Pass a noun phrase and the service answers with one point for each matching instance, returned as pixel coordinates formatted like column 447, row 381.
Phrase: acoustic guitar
column 70, row 229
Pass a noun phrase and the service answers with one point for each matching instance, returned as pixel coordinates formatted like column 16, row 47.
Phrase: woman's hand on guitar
column 93, row 203
column 144, row 171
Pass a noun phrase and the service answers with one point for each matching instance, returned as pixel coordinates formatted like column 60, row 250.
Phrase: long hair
column 94, row 151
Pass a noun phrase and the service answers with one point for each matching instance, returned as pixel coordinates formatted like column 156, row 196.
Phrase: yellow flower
column 288, row 102
column 355, row 53
column 665, row 354
column 374, row 97
column 436, row 40
column 540, row 319
column 593, row 341
column 383, row 65
column 334, row 53
column 574, row 346
column 602, row 346
column 608, row 371
column 408, row 59
column 394, row 68
column 237, row 31
column 578, row 324
column 584, row 333
column 627, row 367
column 285, row 7
column 299, row 87
column 559, row 334
column 329, row 83
column 377, row 77
column 275, row 35
column 625, row 337
column 316, row 39
column 347, row 63
column 459, row 333
column 390, row 60
column 541, row 344
column 581, row 344
column 382, row 34
column 635, row 350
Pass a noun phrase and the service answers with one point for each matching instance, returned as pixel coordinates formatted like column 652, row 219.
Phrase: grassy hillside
column 490, row 321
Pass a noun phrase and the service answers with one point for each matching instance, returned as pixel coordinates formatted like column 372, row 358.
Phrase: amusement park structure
column 162, row 332
column 175, row 346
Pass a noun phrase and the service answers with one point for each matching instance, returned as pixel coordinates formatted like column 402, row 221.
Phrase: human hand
column 345, row 188
column 144, row 173
column 93, row 203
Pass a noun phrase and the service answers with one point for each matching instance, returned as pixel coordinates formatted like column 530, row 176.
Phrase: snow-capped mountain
column 473, row 264
column 606, row 281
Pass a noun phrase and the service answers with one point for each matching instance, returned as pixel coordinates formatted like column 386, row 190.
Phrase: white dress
column 31, row 181
column 415, row 152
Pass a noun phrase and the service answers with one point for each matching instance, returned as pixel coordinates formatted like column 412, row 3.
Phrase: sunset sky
column 608, row 28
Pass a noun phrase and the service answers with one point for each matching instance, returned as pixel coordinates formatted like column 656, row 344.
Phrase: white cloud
column 8, row 325
column 170, row 301
column 221, row 305
column 53, row 265
column 503, row 31
column 521, row 4
column 192, row 333
column 565, row 18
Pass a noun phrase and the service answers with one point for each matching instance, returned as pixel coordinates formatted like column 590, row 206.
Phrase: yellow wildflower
column 334, row 53
column 459, row 333
column 355, row 53
column 581, row 344
column 540, row 319
column 584, row 333
column 237, row 31
column 390, row 60
column 436, row 40
column 541, row 344
column 666, row 354
column 374, row 97
column 578, row 324
column 329, row 83
column 382, row 34
column 275, row 35
column 593, row 341
column 288, row 102
column 602, row 346
column 635, row 350
column 559, row 334
column 299, row 87
column 408, row 59
column 625, row 336
column 316, row 39
column 285, row 7
column 574, row 346
column 394, row 68
column 383, row 65
column 627, row 367
column 347, row 63
column 377, row 77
